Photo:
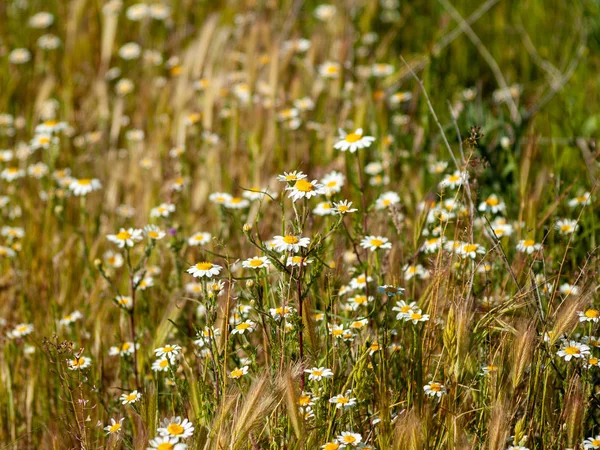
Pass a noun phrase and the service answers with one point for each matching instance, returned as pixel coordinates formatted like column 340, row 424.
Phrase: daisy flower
column 344, row 207
column 330, row 446
column 566, row 226
column 488, row 369
column 589, row 315
column 237, row 203
column 297, row 261
column 404, row 309
column 305, row 189
column 291, row 177
column 434, row 389
column 349, row 439
column 455, row 180
column 258, row 262
column 416, row 316
column 80, row 363
column 333, row 182
column 330, row 69
column 360, row 281
column 353, row 141
column 290, row 243
column 582, row 200
column 113, row 427
column 468, row 250
column 568, row 289
column 166, row 443
column 125, row 349
column 131, row 398
column 343, row 401
column 241, row 328
column 126, row 238
column 411, row 271
column 12, row 173
column 124, row 301
column 592, row 442
column 386, row 200
column 168, row 351
column 573, row 349
column 83, row 186
column 375, row 243
column 219, row 198
column 162, row 210
column 153, row 232
column 318, row 373
column 22, row 329
column 238, row 372
column 432, row 245
column 492, row 204
column 199, row 238
column 528, row 246
column 161, row 365
column 282, row 311
column 204, row 269
column 176, row 427
column 324, row 209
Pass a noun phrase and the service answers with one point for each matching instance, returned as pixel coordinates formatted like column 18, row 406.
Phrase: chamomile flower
column 573, row 349
column 161, row 365
column 325, row 12
column 305, row 189
column 360, row 281
column 258, row 262
column 168, row 351
column 318, row 373
column 488, row 369
column 324, row 209
column 583, row 200
column 83, row 186
column 7, row 252
column 71, row 318
column 238, row 372
column 414, row 270
column 343, row 401
column 455, row 180
column 374, row 243
column 204, row 269
column 330, row 446
column 163, row 210
column 568, row 289
column 219, row 198
column 11, row 174
column 237, row 203
column 21, row 330
column 126, row 238
column 124, row 301
column 404, row 309
column 124, row 349
column 199, row 238
column 290, row 243
column 154, row 233
column 242, row 327
column 434, row 389
column 589, row 315
column 114, row 427
column 432, row 245
column 592, row 442
column 344, row 207
column 166, row 443
column 297, row 261
column 416, row 316
column 176, row 427
column 112, row 259
column 492, row 204
column 80, row 363
column 469, row 250
column 330, row 70
column 353, row 141
column 291, row 177
column 333, row 182
column 386, row 200
column 349, row 439
column 566, row 226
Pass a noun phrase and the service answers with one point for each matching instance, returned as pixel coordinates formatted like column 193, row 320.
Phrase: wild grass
column 452, row 304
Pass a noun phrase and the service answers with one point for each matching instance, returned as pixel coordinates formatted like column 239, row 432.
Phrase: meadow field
column 285, row 224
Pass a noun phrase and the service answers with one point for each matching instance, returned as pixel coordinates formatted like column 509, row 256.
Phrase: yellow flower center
column 453, row 178
column 243, row 326
column 303, row 400
column 593, row 361
column 237, row 373
column 343, row 208
column 131, row 397
column 125, row 346
column 204, row 266
column 435, row 387
column 164, row 363
column 256, row 262
column 470, row 248
column 376, row 242
column 304, row 186
column 115, row 427
column 332, row 70
column 492, row 201
column 331, row 446
column 175, row 429
column 77, row 362
column 416, row 316
column 165, row 445
column 572, row 350
column 44, row 140
column 592, row 314
column 342, row 400
column 565, row 228
column 123, row 235
column 291, row 239
column 528, row 243
column 349, row 439
column 353, row 137
column 153, row 234
column 236, row 200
